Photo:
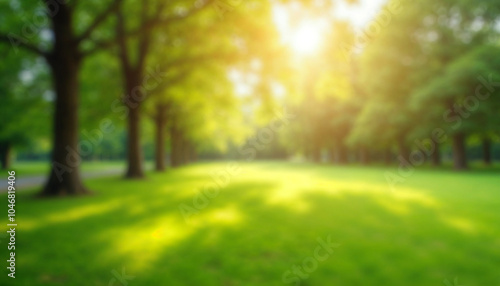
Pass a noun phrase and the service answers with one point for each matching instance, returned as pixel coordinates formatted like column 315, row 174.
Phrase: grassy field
column 264, row 228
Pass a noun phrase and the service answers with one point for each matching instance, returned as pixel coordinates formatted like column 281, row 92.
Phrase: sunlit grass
column 437, row 225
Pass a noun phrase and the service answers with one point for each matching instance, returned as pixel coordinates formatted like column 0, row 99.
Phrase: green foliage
column 426, row 62
column 25, row 96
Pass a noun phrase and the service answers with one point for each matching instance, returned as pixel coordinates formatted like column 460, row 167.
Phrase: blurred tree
column 387, row 65
column 68, row 33
column 136, row 36
column 22, row 82
column 196, row 67
column 446, row 31
column 186, row 35
column 468, row 86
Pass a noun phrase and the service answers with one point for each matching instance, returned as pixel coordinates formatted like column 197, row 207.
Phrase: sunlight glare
column 306, row 39
column 303, row 36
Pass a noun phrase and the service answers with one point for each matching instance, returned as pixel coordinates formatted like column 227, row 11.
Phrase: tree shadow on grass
column 244, row 238
column 378, row 245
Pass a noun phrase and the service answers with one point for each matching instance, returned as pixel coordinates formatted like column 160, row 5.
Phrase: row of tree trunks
column 460, row 154
column 316, row 155
column 64, row 60
column 339, row 154
column 182, row 150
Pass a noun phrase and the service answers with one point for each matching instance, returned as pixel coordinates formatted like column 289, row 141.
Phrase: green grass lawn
column 437, row 225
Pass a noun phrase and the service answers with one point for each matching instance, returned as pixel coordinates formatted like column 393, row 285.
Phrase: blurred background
column 221, row 142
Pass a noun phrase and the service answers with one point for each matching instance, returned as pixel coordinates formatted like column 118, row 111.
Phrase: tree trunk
column 5, row 150
column 487, row 151
column 404, row 153
column 186, row 151
column 64, row 177
column 134, row 152
column 175, row 145
column 364, row 156
column 332, row 154
column 436, row 156
column 459, row 154
column 315, row 151
column 160, row 138
column 316, row 155
column 341, row 154
column 134, row 95
column 192, row 154
column 387, row 157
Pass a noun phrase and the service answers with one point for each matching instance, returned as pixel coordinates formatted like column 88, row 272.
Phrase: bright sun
column 306, row 38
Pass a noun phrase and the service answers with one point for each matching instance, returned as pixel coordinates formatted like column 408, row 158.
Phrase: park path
column 34, row 181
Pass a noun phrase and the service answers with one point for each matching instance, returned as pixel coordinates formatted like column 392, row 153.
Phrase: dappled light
column 294, row 186
column 78, row 213
column 225, row 216
column 314, row 201
column 461, row 224
column 145, row 240
column 248, row 142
